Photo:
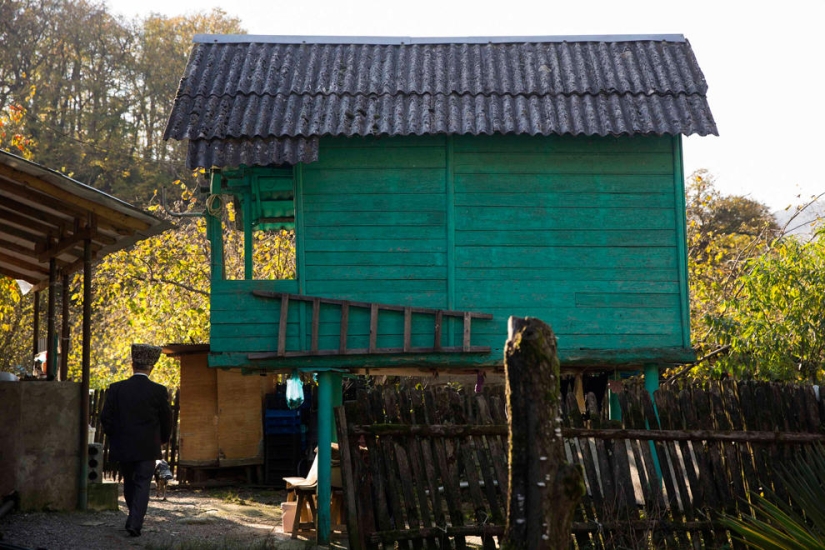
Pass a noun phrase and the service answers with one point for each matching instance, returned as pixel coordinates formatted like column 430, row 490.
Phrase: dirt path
column 227, row 518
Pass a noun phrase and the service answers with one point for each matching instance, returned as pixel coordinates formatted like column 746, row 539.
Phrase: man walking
column 138, row 420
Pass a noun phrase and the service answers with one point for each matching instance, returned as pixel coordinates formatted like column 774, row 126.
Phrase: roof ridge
column 410, row 40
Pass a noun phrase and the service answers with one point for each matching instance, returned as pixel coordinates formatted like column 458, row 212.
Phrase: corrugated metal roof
column 268, row 102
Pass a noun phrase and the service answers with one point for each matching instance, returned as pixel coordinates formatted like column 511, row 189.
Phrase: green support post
column 325, row 432
column 651, row 385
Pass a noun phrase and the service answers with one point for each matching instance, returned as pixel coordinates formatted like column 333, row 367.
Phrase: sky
column 763, row 62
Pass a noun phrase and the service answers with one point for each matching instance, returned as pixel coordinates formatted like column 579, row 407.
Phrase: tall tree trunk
column 544, row 489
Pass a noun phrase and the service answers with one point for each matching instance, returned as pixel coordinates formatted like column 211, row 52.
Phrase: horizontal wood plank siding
column 375, row 221
column 583, row 233
column 580, row 232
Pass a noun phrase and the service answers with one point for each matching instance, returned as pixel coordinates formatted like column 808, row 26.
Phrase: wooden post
column 544, row 489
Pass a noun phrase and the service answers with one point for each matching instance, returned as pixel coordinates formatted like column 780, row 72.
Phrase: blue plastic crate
column 282, row 422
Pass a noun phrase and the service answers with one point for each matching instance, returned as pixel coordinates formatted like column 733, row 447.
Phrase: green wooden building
column 438, row 186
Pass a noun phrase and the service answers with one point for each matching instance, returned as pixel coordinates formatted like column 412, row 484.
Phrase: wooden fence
column 428, row 469
column 170, row 450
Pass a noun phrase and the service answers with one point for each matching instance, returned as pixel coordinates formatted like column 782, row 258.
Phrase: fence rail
column 429, row 468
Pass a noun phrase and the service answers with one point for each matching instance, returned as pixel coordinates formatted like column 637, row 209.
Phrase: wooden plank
column 517, row 257
column 467, row 331
column 582, row 238
column 662, row 197
column 671, row 469
column 316, row 319
column 342, row 341
column 529, row 184
column 373, row 327
column 733, row 406
column 697, row 412
column 376, row 220
column 367, row 203
column 369, row 242
column 417, row 497
column 671, row 419
column 381, row 412
column 401, row 259
column 574, row 447
column 445, row 460
column 483, row 513
column 352, row 476
column 437, row 336
column 328, row 182
column 565, row 274
column 564, row 163
column 498, row 456
column 529, row 218
column 372, row 409
column 429, row 496
column 282, row 325
column 407, row 328
column 405, row 232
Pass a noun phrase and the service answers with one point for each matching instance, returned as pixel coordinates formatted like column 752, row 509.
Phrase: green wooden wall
column 587, row 234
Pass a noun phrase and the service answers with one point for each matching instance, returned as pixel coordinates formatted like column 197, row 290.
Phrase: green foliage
column 775, row 326
column 723, row 234
column 777, row 524
column 756, row 294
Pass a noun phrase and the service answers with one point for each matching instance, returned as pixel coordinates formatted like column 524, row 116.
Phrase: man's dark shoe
column 133, row 532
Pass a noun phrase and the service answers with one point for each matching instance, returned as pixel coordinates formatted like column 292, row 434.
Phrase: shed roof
column 266, row 100
column 45, row 214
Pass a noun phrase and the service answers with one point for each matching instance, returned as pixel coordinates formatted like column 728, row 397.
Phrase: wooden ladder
column 438, row 316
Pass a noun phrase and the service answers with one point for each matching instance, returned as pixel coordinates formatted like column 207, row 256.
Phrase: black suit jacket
column 137, row 418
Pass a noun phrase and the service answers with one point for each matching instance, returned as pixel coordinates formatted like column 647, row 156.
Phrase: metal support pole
column 65, row 331
column 51, row 340
column 82, row 493
column 36, row 326
column 324, row 490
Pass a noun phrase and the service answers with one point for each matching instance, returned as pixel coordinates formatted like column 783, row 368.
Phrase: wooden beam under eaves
column 12, row 205
column 71, row 198
column 12, row 274
column 23, row 264
column 65, row 243
column 69, row 211
column 28, row 222
column 9, row 246
column 22, row 235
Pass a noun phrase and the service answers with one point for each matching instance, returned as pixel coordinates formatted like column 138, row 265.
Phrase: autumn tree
column 91, row 92
column 756, row 289
column 724, row 232
column 774, row 327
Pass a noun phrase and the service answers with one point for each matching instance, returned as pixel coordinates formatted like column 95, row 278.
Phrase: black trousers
column 137, row 477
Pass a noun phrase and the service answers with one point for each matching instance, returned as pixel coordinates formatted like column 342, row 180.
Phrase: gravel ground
column 227, row 518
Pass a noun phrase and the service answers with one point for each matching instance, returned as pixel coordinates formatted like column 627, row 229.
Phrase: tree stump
column 544, row 489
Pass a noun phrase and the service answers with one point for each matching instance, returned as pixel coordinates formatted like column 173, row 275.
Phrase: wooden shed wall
column 585, row 233
column 220, row 415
